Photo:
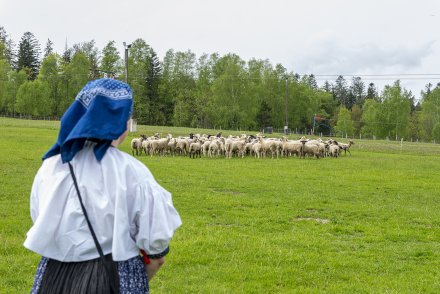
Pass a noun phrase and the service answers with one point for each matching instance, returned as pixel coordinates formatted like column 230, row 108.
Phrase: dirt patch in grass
column 318, row 220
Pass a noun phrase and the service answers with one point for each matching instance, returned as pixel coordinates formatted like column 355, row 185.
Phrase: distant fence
column 54, row 121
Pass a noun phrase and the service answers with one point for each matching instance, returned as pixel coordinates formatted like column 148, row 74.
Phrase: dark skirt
column 132, row 276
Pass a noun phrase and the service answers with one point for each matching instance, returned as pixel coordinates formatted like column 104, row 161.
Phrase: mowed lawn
column 364, row 223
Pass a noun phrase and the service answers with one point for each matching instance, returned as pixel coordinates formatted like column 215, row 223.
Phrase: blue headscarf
column 100, row 112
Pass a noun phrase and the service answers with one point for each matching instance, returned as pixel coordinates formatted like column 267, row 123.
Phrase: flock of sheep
column 216, row 146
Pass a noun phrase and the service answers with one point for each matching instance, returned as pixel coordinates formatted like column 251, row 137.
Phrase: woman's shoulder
column 129, row 164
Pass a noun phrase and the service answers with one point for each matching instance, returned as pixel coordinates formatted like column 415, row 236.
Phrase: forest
column 212, row 91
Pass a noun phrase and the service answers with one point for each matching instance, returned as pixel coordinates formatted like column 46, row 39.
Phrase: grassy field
column 360, row 224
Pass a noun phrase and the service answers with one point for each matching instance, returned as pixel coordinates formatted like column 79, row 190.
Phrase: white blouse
column 128, row 209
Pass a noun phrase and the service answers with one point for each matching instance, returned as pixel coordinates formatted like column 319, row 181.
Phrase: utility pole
column 126, row 47
column 286, row 126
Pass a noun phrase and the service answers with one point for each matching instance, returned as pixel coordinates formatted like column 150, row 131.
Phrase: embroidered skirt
column 132, row 276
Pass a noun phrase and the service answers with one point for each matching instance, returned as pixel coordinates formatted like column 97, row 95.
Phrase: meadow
column 357, row 224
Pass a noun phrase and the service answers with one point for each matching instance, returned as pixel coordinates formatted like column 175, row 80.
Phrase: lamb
column 346, row 147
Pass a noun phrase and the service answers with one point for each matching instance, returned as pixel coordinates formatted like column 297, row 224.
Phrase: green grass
column 360, row 224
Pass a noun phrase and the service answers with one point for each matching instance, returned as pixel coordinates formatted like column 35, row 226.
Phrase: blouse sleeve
column 157, row 218
column 34, row 200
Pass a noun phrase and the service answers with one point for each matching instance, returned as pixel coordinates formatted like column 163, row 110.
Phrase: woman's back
column 116, row 192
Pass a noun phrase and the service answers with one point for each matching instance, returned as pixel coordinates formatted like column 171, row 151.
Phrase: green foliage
column 430, row 113
column 436, row 132
column 345, row 126
column 33, row 97
column 414, row 127
column 91, row 52
column 139, row 67
column 50, row 74
column 356, row 116
column 74, row 77
column 397, row 109
column 8, row 98
column 110, row 62
column 391, row 117
column 264, row 117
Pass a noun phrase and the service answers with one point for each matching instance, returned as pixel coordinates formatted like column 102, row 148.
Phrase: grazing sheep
column 171, row 148
column 333, row 150
column 292, row 148
column 309, row 148
column 136, row 144
column 205, row 148
column 195, row 148
column 268, row 145
column 214, row 148
column 160, row 145
column 146, row 146
column 256, row 149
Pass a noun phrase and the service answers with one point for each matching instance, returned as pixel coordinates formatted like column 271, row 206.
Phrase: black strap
column 85, row 213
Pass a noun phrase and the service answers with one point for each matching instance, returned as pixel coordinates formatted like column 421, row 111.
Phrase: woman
column 126, row 208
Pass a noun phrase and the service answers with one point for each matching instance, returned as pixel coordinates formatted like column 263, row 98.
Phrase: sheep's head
column 303, row 139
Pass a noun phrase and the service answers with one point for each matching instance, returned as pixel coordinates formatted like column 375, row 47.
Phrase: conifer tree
column 29, row 55
column 49, row 48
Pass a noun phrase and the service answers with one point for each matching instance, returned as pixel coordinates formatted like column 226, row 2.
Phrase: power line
column 375, row 75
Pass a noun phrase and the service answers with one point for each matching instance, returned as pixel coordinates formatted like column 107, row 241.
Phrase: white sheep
column 195, row 148
column 346, row 147
column 136, row 145
column 159, row 145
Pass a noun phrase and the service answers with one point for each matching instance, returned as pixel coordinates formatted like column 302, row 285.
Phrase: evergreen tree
column 67, row 54
column 357, row 92
column 327, row 87
column 29, row 55
column 264, row 115
column 156, row 116
column 372, row 92
column 341, row 92
column 49, row 48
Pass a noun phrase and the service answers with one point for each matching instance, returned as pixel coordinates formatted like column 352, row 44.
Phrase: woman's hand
column 154, row 266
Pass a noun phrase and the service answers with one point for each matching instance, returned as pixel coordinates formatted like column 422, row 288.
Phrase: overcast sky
column 323, row 37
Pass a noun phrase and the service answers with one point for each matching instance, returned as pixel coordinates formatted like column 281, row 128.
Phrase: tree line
column 212, row 91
